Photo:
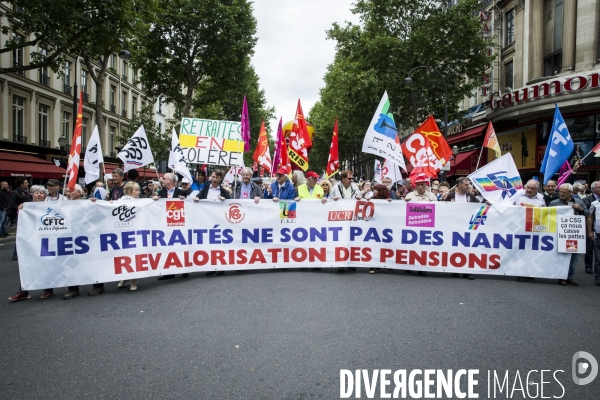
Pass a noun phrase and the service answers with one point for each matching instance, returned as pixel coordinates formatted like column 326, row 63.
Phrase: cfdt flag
column 499, row 182
column 93, row 158
column 381, row 138
column 427, row 148
column 333, row 162
column 177, row 161
column 136, row 153
column 560, row 146
column 262, row 155
column 74, row 155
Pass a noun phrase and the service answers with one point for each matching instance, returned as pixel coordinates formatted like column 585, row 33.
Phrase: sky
column 292, row 53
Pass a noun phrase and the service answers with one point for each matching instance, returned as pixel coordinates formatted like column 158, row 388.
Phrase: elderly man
column 565, row 194
column 53, row 185
column 282, row 188
column 310, row 189
column 421, row 194
column 214, row 191
column 387, row 181
column 550, row 192
column 462, row 194
column 531, row 198
column 247, row 190
column 185, row 186
column 170, row 189
column 346, row 189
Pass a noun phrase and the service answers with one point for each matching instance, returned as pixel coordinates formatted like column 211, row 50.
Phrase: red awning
column 19, row 164
column 468, row 134
column 465, row 163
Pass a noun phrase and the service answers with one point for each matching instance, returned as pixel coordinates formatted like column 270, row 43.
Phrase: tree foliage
column 393, row 37
column 191, row 42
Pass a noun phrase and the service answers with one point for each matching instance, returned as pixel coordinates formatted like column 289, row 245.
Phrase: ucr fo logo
column 235, row 213
column 364, row 210
column 175, row 213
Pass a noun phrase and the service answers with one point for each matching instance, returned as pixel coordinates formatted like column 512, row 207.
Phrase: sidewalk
column 12, row 236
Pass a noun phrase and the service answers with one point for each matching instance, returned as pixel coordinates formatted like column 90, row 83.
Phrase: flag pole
column 479, row 159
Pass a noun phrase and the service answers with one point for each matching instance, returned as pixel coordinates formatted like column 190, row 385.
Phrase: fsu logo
column 175, row 213
column 287, row 212
column 235, row 213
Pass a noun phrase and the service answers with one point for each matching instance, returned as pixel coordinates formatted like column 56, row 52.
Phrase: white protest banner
column 381, row 138
column 136, row 153
column 93, row 158
column 80, row 242
column 571, row 234
column 499, row 182
column 176, row 158
column 212, row 142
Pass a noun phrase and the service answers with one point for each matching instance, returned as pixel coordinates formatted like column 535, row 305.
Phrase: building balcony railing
column 124, row 78
column 44, row 80
column 45, row 143
column 124, row 113
column 113, row 109
column 18, row 64
column 67, row 88
column 20, row 139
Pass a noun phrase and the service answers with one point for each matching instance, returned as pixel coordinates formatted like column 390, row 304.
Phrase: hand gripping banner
column 80, row 242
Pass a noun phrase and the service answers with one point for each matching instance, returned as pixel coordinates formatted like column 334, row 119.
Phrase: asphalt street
column 287, row 334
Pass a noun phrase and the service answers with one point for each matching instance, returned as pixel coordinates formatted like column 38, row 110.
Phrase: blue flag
column 560, row 146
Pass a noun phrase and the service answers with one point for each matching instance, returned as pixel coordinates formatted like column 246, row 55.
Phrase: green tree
column 395, row 36
column 160, row 143
column 191, row 42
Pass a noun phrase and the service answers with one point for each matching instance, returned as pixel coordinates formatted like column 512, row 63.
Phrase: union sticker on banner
column 53, row 221
column 571, row 234
column 212, row 142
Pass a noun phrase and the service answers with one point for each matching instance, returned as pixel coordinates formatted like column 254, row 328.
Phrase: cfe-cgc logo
column 125, row 216
column 235, row 213
column 287, row 212
column 53, row 221
column 175, row 213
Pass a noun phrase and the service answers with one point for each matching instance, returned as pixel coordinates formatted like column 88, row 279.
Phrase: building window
column 133, row 106
column 44, row 77
column 124, row 67
column 124, row 105
column 111, row 144
column 66, row 122
column 84, row 125
column 67, row 77
column 134, row 76
column 113, row 93
column 558, row 24
column 84, row 83
column 510, row 27
column 43, row 125
column 113, row 62
column 18, row 118
column 553, row 63
column 18, row 54
column 508, row 75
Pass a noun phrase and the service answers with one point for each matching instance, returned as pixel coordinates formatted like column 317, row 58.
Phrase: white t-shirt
column 524, row 201
column 460, row 198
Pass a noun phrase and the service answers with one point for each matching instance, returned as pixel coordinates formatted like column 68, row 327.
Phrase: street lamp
column 408, row 82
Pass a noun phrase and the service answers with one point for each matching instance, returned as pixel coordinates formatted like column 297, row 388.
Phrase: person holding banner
column 310, row 190
column 117, row 188
column 38, row 193
column 247, row 190
column 421, row 194
column 326, row 185
column 170, row 190
column 53, row 195
column 214, row 191
column 565, row 194
column 131, row 191
column 346, row 189
column 387, row 181
column 282, row 188
column 461, row 194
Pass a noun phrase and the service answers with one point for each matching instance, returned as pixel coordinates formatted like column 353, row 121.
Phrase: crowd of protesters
column 298, row 187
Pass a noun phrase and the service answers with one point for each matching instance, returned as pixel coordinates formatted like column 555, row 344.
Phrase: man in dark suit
column 170, row 191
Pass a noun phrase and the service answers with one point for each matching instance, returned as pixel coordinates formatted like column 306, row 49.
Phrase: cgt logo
column 235, row 213
column 581, row 367
column 175, row 213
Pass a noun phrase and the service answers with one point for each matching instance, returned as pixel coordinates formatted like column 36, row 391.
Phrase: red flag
column 491, row 141
column 300, row 140
column 284, row 161
column 73, row 167
column 596, row 149
column 427, row 148
column 333, row 162
column 262, row 155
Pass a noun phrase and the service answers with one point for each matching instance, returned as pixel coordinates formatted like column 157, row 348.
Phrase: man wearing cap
column 185, row 186
column 247, row 190
column 420, row 194
column 52, row 186
column 282, row 188
column 346, row 189
column 310, row 190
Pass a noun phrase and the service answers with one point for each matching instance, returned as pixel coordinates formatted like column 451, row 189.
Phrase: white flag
column 377, row 177
column 136, row 153
column 381, row 138
column 177, row 160
column 93, row 158
column 230, row 176
column 499, row 182
column 391, row 170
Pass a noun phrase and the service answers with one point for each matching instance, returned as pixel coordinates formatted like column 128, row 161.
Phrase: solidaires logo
column 540, row 219
column 52, row 220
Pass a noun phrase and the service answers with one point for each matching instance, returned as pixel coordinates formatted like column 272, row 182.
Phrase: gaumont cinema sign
column 567, row 84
